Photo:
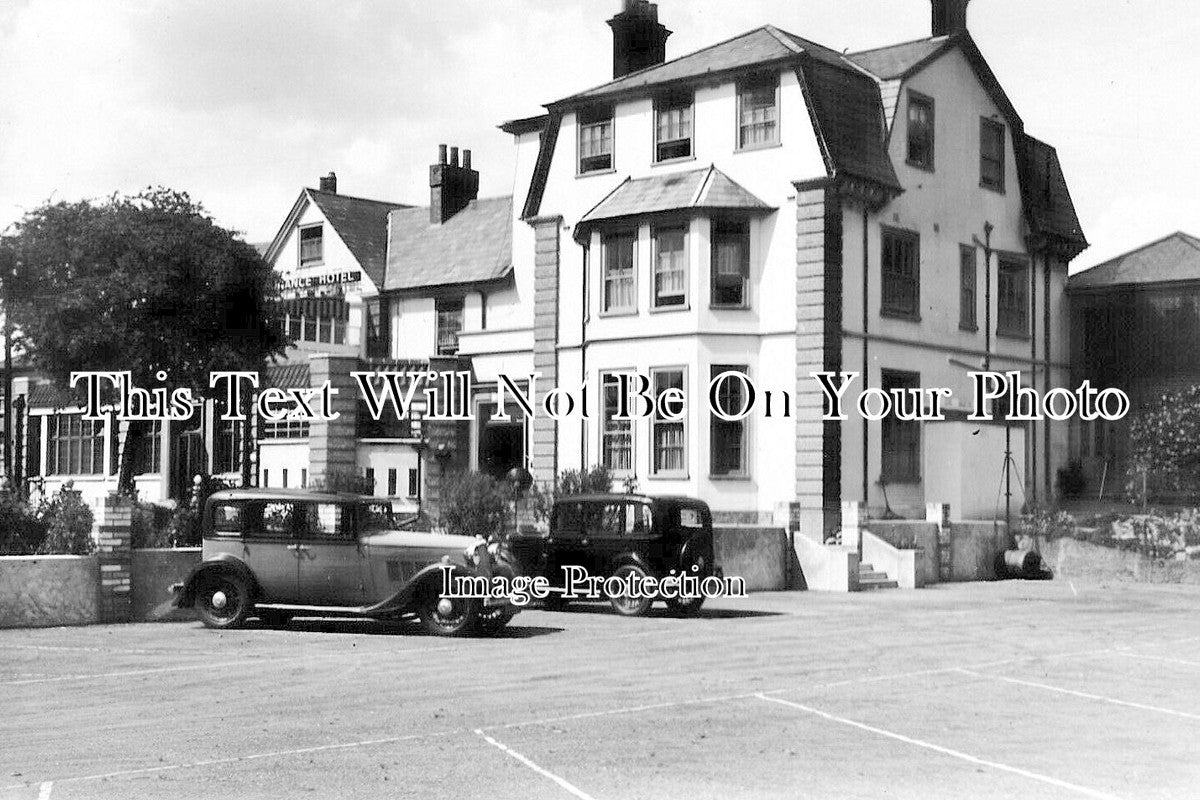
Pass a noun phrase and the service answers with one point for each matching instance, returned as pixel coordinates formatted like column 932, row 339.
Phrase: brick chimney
column 949, row 17
column 451, row 187
column 329, row 183
column 639, row 40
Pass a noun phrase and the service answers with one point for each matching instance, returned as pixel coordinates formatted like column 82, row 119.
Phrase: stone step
column 877, row 584
column 866, row 567
column 872, row 576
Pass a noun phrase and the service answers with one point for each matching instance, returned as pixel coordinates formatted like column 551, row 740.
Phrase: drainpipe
column 987, row 296
column 583, row 317
column 866, row 326
column 1046, row 377
column 1031, row 427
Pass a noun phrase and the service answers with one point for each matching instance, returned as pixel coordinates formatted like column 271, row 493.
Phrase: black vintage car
column 622, row 535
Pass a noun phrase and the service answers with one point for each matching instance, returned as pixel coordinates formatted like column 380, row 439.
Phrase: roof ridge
column 1141, row 249
column 356, row 197
column 785, row 38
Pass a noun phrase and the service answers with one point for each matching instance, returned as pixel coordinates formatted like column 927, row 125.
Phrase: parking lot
column 983, row 690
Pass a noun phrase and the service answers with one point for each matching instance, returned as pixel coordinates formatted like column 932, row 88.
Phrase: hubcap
column 219, row 600
column 445, row 607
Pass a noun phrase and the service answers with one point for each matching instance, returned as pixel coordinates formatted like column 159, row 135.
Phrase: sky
column 241, row 103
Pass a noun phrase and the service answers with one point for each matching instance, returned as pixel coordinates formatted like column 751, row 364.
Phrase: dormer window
column 920, row 131
column 596, row 140
column 758, row 112
column 673, row 127
column 312, row 245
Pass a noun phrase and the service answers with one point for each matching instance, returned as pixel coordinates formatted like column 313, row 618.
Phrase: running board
column 360, row 611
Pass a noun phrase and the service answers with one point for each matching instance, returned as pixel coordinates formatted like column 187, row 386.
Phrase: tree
column 1164, row 448
column 143, row 284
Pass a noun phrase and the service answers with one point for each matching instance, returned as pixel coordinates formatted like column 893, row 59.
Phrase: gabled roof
column 707, row 188
column 360, row 223
column 758, row 47
column 473, row 246
column 900, row 60
column 1172, row 258
column 1048, row 204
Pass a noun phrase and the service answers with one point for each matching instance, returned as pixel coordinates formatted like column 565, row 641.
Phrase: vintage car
column 278, row 553
column 622, row 535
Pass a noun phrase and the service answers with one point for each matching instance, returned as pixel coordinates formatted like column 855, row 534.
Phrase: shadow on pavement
column 361, row 627
column 665, row 613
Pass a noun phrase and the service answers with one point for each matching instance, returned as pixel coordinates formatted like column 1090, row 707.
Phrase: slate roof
column 293, row 375
column 701, row 188
column 47, row 395
column 1048, row 202
column 759, row 46
column 361, row 224
column 1173, row 258
column 898, row 60
column 473, row 246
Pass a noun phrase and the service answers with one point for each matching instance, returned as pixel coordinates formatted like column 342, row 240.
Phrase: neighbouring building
column 1135, row 322
column 770, row 206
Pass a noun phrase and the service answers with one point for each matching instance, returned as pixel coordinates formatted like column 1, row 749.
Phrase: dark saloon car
column 277, row 553
column 626, row 536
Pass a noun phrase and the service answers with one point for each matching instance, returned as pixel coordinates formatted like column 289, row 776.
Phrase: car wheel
column 630, row 605
column 492, row 620
column 272, row 618
column 555, row 602
column 443, row 616
column 686, row 608
column 223, row 601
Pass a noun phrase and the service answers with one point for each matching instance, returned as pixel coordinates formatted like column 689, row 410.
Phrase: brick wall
column 114, row 553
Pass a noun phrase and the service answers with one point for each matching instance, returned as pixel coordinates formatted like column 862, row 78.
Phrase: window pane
column 901, row 273
column 759, row 113
column 727, row 439
column 619, row 259
column 670, row 267
column 920, row 131
column 617, row 435
column 901, row 439
column 670, row 449
column 967, row 281
column 730, row 263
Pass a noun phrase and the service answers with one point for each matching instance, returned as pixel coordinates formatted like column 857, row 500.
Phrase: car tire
column 629, row 606
column 271, row 618
column 493, row 620
column 686, row 608
column 223, row 601
column 446, row 617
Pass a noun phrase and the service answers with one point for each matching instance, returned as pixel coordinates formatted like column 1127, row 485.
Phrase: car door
column 566, row 545
column 332, row 564
column 269, row 549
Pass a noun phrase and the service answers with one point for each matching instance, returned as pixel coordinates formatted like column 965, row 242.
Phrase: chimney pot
column 466, row 159
column 451, row 187
column 441, row 154
column 639, row 39
column 454, row 156
column 328, row 183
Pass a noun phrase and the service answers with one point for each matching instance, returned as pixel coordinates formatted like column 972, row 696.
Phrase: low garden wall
column 757, row 555
column 44, row 591
column 973, row 548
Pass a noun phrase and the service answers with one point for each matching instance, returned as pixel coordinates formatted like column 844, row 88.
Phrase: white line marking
column 1085, row 695
column 1074, row 591
column 44, row 790
column 1162, row 658
column 545, row 773
column 943, row 750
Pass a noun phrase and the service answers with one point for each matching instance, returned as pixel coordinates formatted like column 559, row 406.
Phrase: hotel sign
column 328, row 279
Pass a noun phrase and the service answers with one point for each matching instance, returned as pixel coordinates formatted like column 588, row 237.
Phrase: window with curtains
column 596, row 140
column 312, row 245
column 673, row 127
column 76, row 445
column 620, row 264
column 449, row 324
column 668, row 437
column 616, row 445
column 670, row 266
column 727, row 440
column 316, row 319
column 901, row 439
column 991, row 154
column 730, row 263
column 758, row 112
column 1012, row 301
column 901, row 273
column 920, row 130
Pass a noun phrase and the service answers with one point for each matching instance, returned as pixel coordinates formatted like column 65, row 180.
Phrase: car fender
column 222, row 562
column 401, row 601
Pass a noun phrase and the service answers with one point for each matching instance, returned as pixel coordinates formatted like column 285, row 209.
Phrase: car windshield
column 376, row 517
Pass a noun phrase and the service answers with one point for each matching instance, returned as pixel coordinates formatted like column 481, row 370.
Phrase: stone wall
column 45, row 591
column 757, row 555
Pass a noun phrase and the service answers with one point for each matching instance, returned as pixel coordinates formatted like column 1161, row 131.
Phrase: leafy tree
column 1164, row 442
column 143, row 284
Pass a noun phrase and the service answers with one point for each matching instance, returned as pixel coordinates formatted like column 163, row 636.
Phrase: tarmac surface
column 983, row 690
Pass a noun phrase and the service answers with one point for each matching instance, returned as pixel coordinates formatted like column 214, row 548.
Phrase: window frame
column 986, row 126
column 1006, row 264
column 303, row 231
column 916, row 98
column 655, row 422
column 744, row 88
column 725, row 226
column 617, row 472
column 655, row 251
column 69, row 445
column 632, row 234
column 675, row 102
column 889, row 308
column 968, row 322
column 890, row 427
column 714, row 422
column 586, row 119
column 441, row 311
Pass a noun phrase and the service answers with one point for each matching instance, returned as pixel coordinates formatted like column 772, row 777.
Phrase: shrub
column 21, row 531
column 343, row 480
column 596, row 480
column 1164, row 443
column 182, row 529
column 68, row 523
column 151, row 525
column 473, row 504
